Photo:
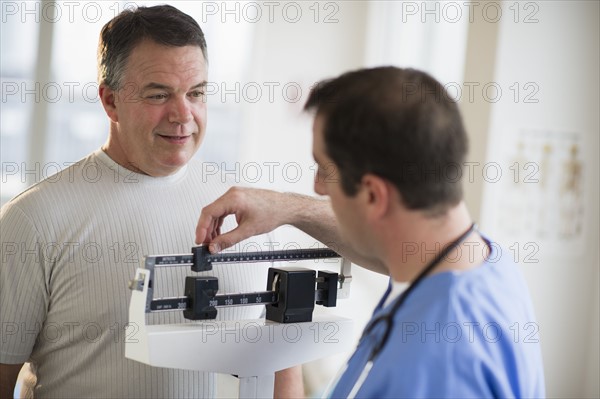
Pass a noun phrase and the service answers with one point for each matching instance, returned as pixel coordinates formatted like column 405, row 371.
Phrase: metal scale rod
column 204, row 260
column 181, row 303
column 270, row 256
column 201, row 259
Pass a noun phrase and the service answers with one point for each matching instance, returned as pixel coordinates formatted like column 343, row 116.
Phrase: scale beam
column 207, row 259
column 200, row 299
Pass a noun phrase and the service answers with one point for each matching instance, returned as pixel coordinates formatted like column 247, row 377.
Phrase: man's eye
column 160, row 96
column 197, row 93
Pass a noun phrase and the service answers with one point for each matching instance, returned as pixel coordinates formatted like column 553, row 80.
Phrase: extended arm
column 260, row 211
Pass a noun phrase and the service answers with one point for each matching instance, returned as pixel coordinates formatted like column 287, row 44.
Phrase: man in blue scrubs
column 389, row 144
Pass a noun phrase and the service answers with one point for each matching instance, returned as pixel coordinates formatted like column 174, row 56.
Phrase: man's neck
column 420, row 238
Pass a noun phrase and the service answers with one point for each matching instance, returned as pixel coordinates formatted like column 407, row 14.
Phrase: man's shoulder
column 63, row 180
column 466, row 326
column 498, row 277
column 493, row 297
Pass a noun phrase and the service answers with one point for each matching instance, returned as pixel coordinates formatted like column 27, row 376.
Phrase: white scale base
column 253, row 350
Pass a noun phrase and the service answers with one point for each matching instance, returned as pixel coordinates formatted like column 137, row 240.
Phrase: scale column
column 257, row 386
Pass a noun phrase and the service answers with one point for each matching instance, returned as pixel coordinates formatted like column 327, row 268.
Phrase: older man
column 71, row 242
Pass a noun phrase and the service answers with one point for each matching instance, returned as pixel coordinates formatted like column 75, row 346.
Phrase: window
column 431, row 36
column 19, row 43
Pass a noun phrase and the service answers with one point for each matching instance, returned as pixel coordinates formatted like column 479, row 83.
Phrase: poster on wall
column 540, row 205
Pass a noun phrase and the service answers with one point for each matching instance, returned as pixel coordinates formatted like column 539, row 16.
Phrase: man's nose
column 180, row 111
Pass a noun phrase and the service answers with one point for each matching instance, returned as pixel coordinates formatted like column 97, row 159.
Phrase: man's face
column 348, row 210
column 159, row 115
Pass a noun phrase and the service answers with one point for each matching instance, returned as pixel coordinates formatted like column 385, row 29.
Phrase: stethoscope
column 388, row 317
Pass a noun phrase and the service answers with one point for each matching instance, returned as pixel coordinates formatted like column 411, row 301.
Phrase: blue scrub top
column 469, row 334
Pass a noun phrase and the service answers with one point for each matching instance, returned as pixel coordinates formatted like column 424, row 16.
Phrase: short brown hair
column 162, row 24
column 400, row 124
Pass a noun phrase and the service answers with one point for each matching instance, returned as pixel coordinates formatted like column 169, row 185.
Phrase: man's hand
column 260, row 211
column 256, row 211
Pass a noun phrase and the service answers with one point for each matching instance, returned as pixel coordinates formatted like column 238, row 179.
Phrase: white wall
column 296, row 55
column 559, row 56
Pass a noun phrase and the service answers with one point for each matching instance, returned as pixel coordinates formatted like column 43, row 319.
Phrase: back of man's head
column 399, row 124
column 162, row 24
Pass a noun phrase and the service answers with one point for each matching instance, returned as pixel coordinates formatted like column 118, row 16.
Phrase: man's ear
column 378, row 196
column 109, row 100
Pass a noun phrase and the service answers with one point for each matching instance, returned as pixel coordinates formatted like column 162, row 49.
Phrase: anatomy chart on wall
column 541, row 200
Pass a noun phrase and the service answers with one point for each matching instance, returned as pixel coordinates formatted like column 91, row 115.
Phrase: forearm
column 289, row 384
column 260, row 211
column 316, row 218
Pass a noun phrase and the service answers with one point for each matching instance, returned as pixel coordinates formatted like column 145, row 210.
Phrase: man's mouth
column 175, row 139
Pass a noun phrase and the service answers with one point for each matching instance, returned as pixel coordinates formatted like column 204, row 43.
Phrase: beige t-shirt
column 71, row 243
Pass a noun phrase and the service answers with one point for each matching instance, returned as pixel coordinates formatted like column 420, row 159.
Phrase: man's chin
column 168, row 163
column 171, row 166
